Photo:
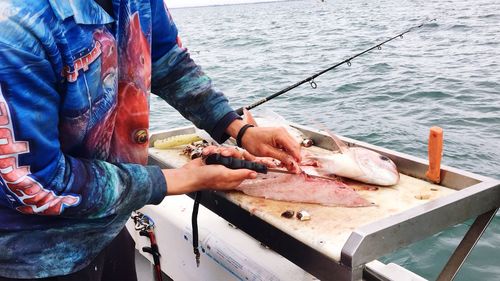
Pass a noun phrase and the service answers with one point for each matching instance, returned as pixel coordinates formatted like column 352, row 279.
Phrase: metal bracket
column 463, row 249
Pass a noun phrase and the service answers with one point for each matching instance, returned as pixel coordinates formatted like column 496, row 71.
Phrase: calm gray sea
column 446, row 73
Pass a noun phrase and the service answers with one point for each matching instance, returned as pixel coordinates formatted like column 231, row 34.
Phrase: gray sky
column 191, row 3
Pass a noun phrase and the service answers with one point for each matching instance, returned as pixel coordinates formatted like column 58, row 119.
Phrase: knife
column 236, row 163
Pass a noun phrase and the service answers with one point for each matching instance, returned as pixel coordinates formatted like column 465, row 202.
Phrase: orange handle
column 435, row 154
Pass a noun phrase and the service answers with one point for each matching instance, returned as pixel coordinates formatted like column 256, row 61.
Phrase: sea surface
column 446, row 73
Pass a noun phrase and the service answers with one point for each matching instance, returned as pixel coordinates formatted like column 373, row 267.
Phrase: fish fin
column 248, row 117
column 269, row 118
column 270, row 115
column 343, row 148
column 340, row 143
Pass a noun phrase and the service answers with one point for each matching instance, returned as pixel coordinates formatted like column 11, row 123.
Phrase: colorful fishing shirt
column 74, row 98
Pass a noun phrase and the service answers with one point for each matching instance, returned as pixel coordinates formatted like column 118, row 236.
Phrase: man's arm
column 181, row 82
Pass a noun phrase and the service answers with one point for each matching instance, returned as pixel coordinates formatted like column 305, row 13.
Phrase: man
column 74, row 97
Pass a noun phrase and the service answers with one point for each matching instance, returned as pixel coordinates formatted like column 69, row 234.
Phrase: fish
column 356, row 163
column 130, row 142
column 303, row 188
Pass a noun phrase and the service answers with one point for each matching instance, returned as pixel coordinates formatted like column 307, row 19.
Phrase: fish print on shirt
column 98, row 140
column 121, row 133
column 130, row 142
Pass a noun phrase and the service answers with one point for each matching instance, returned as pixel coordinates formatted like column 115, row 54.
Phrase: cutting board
column 329, row 227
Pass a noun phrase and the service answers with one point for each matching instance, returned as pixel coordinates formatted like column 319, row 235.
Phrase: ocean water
column 446, row 73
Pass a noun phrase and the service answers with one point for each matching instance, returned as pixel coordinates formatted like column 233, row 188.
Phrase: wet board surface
column 329, row 227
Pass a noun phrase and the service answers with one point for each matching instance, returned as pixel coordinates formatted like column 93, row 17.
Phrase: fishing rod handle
column 235, row 163
column 239, row 111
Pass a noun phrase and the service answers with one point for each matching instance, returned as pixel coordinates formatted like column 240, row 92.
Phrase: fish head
column 129, row 142
column 375, row 168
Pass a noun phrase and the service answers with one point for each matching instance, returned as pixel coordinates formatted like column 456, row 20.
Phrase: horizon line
column 229, row 4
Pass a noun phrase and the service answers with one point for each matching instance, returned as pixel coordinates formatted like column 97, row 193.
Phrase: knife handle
column 235, row 163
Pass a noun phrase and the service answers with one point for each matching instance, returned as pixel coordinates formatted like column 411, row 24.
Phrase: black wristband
column 241, row 133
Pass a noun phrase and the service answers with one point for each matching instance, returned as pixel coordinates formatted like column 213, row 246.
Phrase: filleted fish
column 303, row 188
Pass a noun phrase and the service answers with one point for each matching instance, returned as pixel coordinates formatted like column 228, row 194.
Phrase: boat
column 246, row 238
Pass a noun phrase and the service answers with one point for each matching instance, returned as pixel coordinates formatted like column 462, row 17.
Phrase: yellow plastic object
column 176, row 141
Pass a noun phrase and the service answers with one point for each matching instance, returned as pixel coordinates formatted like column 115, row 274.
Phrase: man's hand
column 195, row 175
column 275, row 143
column 271, row 142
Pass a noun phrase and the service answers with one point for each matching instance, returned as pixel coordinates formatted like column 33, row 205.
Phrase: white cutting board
column 329, row 227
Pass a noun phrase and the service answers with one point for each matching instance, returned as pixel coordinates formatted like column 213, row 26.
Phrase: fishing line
column 194, row 225
column 310, row 79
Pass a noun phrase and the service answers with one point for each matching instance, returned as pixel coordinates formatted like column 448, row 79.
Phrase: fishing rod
column 310, row 79
column 194, row 221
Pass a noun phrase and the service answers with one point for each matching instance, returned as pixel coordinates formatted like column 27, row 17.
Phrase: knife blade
column 236, row 163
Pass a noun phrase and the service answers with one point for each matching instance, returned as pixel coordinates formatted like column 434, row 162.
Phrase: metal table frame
column 476, row 196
